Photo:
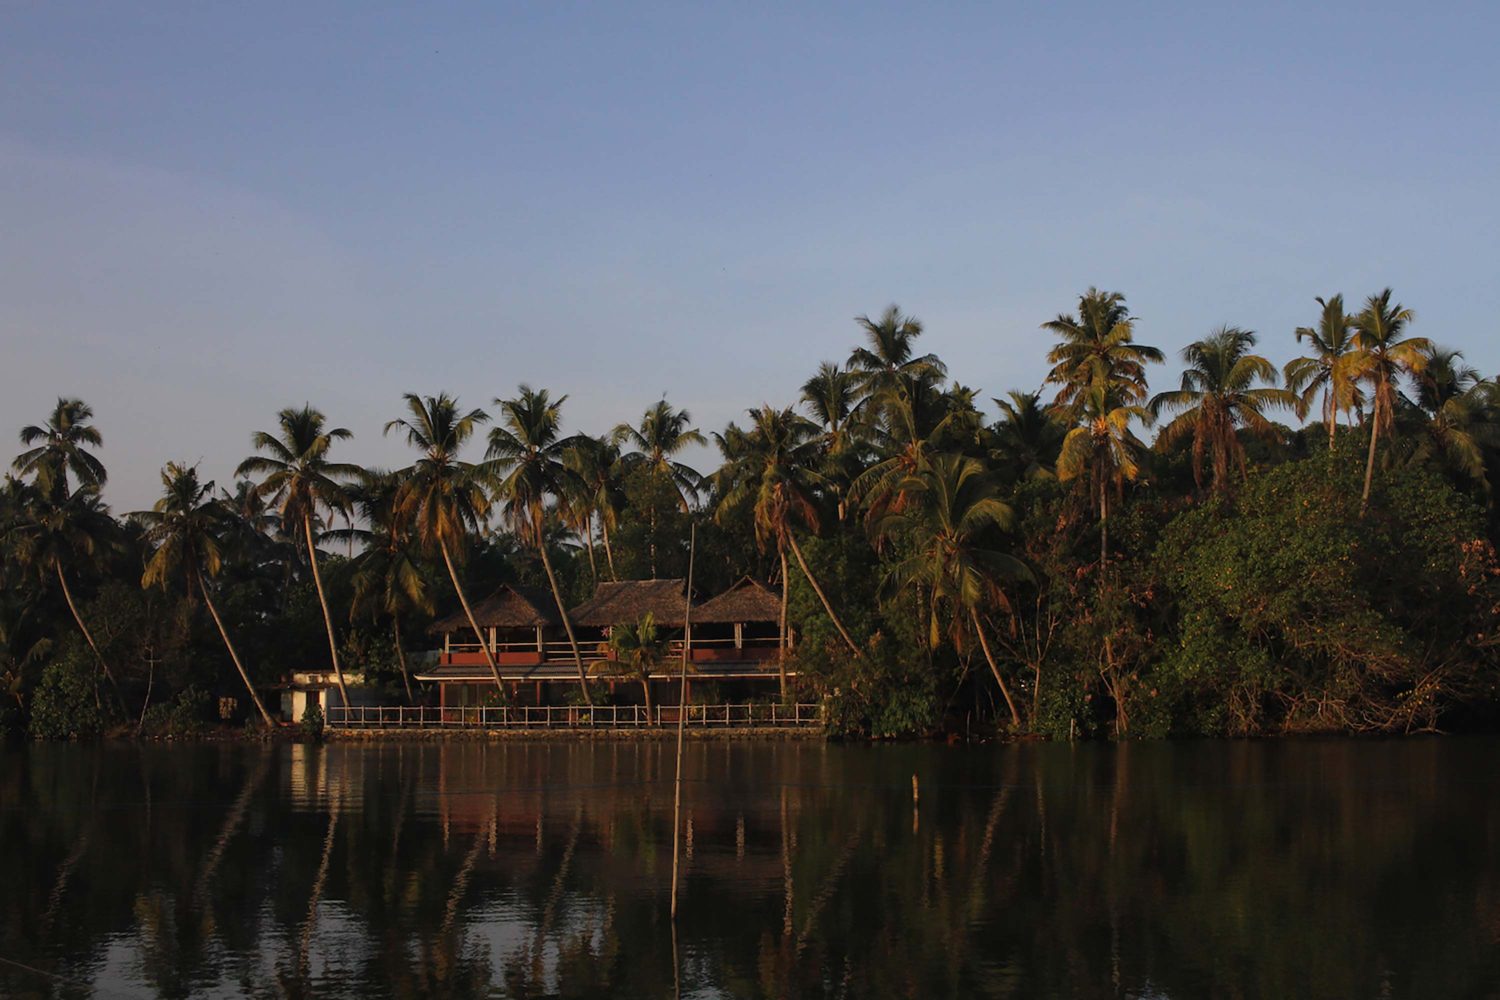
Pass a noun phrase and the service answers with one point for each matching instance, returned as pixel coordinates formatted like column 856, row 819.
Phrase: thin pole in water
column 687, row 625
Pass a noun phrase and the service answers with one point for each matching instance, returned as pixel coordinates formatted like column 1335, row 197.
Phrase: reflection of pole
column 687, row 615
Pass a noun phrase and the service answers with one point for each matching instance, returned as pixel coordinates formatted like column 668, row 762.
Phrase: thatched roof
column 746, row 601
column 507, row 607
column 623, row 601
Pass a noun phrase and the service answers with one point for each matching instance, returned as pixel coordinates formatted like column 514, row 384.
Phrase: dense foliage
column 1057, row 569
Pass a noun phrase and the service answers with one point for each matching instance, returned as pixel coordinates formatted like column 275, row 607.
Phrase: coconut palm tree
column 1326, row 368
column 60, row 447
column 1383, row 353
column 775, row 462
column 1218, row 396
column 1097, row 346
column 300, row 479
column 1462, row 411
column 390, row 577
column 635, row 651
column 954, row 511
column 890, row 360
column 1103, row 449
column 597, row 476
column 663, row 434
column 525, row 459
column 442, row 500
column 56, row 532
column 185, row 527
column 1027, row 437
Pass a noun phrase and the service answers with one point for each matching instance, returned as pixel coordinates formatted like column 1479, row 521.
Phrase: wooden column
column 739, row 635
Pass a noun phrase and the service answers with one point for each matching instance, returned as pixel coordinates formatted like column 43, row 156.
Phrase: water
column 1290, row 869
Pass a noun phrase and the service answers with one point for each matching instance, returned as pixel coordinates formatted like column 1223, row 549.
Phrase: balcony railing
column 770, row 715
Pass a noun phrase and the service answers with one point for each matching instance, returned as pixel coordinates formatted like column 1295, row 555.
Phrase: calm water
column 1328, row 869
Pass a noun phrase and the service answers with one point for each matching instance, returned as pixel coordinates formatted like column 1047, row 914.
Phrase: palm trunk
column 782, row 645
column 1330, row 414
column 233, row 655
column 333, row 645
column 588, row 536
column 797, row 551
column 1103, row 525
column 646, row 693
column 88, row 636
column 1364, row 498
column 989, row 657
column 401, row 655
column 463, row 599
column 583, row 682
column 609, row 553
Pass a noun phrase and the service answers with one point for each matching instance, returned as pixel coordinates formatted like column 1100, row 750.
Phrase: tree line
column 1098, row 558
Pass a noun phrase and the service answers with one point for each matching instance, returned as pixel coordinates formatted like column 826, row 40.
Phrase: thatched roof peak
column 617, row 602
column 748, row 600
column 507, row 607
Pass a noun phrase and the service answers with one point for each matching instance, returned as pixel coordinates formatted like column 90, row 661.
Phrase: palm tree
column 775, row 462
column 56, row 530
column 300, row 478
column 832, row 396
column 1218, row 396
column 1327, row 367
column 954, row 507
column 635, row 650
column 1382, row 354
column 890, row 360
column 1462, row 411
column 596, row 468
column 389, row 575
column 1098, row 346
column 662, row 434
column 441, row 500
column 59, row 447
column 1027, row 437
column 185, row 526
column 1103, row 448
column 526, row 459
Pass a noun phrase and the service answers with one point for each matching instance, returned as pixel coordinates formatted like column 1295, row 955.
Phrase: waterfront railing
column 769, row 715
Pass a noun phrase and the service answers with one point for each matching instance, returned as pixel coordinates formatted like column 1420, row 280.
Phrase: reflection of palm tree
column 441, row 500
column 186, row 526
column 299, row 477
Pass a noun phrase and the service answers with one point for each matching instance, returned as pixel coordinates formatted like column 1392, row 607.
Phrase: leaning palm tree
column 1326, row 368
column 1218, row 396
column 1103, row 449
column 775, row 462
column 954, row 512
column 635, row 650
column 526, row 461
column 441, row 500
column 60, row 447
column 1097, row 347
column 56, row 532
column 185, row 527
column 301, row 480
column 1383, row 353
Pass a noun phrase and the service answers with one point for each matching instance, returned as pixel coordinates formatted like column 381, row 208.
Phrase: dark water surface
column 1289, row 869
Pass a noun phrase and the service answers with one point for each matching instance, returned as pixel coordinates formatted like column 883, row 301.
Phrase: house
column 731, row 637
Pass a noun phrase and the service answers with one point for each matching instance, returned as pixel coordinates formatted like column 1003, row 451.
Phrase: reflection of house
column 733, row 637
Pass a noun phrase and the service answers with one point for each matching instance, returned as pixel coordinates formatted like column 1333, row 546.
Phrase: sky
column 209, row 212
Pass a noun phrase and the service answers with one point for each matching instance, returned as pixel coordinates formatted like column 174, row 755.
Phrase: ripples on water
column 1329, row 869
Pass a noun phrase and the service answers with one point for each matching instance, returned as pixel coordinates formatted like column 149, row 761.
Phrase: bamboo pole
column 687, row 623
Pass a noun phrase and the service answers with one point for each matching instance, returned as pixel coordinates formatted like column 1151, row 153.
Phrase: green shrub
column 312, row 720
column 66, row 704
column 185, row 715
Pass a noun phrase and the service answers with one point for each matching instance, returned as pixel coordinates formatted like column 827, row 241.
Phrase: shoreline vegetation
column 1131, row 551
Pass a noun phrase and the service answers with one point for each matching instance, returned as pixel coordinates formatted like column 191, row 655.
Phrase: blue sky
column 211, row 211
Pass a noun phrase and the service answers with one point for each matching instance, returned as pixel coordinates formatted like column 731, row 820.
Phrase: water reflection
column 1331, row 869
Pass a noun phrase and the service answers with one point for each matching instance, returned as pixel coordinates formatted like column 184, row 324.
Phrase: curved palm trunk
column 333, row 645
column 989, row 657
column 401, row 655
column 233, row 655
column 1364, row 498
column 781, row 646
column 646, row 693
column 609, row 553
column 463, row 599
column 588, row 536
column 562, row 612
column 88, row 636
column 797, row 551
